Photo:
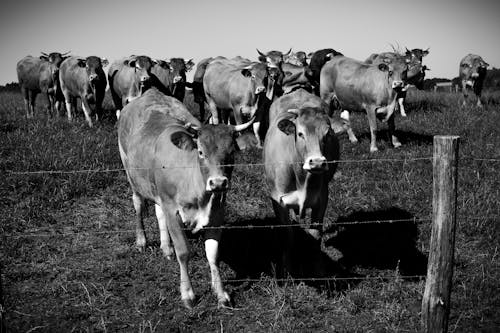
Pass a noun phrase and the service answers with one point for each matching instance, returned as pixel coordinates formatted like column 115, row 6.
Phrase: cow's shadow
column 382, row 245
column 405, row 137
column 256, row 249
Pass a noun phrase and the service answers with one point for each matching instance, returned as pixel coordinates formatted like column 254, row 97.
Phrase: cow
column 40, row 75
column 416, row 71
column 184, row 168
column 472, row 72
column 300, row 153
column 197, row 86
column 129, row 78
column 316, row 62
column 353, row 85
column 83, row 78
column 172, row 75
column 237, row 84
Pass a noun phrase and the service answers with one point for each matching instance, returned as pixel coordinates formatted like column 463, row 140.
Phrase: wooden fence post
column 436, row 300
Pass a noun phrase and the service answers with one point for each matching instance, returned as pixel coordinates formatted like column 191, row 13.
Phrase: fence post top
column 446, row 137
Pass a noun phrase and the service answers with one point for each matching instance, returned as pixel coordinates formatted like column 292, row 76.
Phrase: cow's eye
column 390, row 73
column 200, row 154
column 301, row 135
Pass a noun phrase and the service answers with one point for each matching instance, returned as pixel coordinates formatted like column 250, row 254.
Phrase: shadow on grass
column 405, row 137
column 383, row 245
column 256, row 251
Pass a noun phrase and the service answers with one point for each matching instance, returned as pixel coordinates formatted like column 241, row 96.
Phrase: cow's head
column 298, row 58
column 473, row 68
column 273, row 58
column 414, row 60
column 312, row 132
column 142, row 66
column 55, row 58
column 94, row 67
column 215, row 146
column 257, row 73
column 396, row 72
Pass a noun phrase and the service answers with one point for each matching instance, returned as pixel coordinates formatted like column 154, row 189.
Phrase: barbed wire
column 248, row 227
column 404, row 160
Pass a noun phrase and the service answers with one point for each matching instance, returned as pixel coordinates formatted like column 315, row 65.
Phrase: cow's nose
column 217, row 183
column 474, row 75
column 144, row 78
column 316, row 164
column 260, row 89
column 397, row 84
column 177, row 78
column 93, row 77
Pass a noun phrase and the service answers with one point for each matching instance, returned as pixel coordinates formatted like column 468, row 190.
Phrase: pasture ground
column 68, row 261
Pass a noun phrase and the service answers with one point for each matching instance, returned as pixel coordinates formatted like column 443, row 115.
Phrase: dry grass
column 81, row 272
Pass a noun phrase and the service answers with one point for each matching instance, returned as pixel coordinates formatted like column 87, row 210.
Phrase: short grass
column 68, row 261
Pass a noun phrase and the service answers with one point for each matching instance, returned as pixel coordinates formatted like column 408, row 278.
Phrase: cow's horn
column 289, row 51
column 66, row 53
column 242, row 127
column 45, row 54
column 262, row 54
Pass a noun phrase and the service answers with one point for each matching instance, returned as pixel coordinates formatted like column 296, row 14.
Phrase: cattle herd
column 183, row 164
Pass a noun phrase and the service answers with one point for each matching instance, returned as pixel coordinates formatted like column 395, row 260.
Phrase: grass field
column 68, row 261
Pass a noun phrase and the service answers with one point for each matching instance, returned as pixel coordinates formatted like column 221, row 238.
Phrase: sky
column 197, row 29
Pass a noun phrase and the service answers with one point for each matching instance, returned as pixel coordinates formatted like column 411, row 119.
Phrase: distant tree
column 13, row 86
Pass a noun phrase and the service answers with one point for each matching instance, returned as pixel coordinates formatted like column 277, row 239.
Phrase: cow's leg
column 69, row 110
column 165, row 243
column 372, row 122
column 182, row 252
column 318, row 215
column 86, row 111
column 212, row 253
column 32, row 99
column 213, row 110
column 345, row 115
column 286, row 238
column 140, row 235
column 26, row 97
column 464, row 92
column 392, row 131
column 401, row 106
column 479, row 104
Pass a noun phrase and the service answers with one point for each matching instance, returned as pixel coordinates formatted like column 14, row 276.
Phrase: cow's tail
column 117, row 101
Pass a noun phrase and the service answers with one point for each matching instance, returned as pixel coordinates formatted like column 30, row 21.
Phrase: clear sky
column 203, row 28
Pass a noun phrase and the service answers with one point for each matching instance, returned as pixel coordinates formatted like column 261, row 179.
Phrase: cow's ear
column 329, row 56
column 130, row 63
column 286, row 126
column 104, row 62
column 42, row 57
column 81, row 62
column 383, row 67
column 262, row 58
column 189, row 65
column 183, row 140
column 246, row 72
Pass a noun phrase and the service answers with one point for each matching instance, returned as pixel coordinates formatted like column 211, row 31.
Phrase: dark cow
column 299, row 154
column 184, row 167
column 83, row 78
column 172, row 75
column 316, row 62
column 40, row 75
column 197, row 86
column 472, row 72
column 236, row 84
column 416, row 71
column 357, row 86
column 129, row 78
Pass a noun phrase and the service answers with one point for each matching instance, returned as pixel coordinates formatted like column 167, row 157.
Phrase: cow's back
column 28, row 72
column 72, row 77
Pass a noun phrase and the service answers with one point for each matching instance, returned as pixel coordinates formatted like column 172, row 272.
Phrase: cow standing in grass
column 352, row 85
column 185, row 168
column 172, row 75
column 84, row 78
column 472, row 72
column 40, row 75
column 300, row 151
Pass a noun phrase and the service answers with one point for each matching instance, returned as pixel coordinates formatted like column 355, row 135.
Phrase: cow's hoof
column 189, row 303
column 373, row 150
column 403, row 114
column 225, row 303
column 168, row 252
column 396, row 144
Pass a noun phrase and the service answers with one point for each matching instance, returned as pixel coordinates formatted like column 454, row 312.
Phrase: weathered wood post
column 436, row 300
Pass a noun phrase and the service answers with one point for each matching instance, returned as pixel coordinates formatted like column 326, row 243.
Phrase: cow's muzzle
column 397, row 84
column 260, row 89
column 177, row 78
column 475, row 75
column 315, row 164
column 93, row 77
column 217, row 184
